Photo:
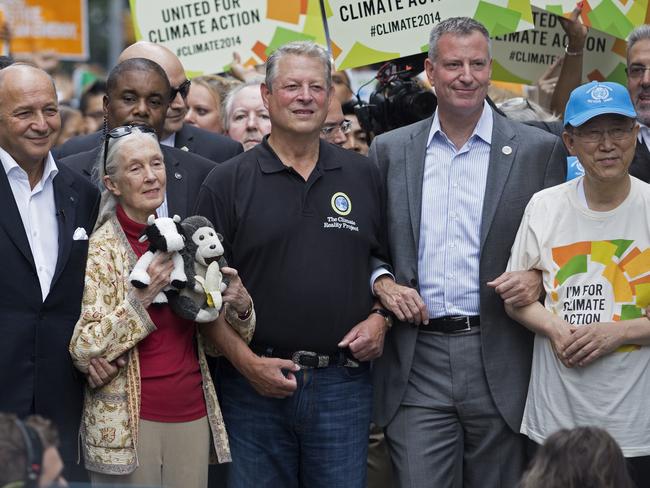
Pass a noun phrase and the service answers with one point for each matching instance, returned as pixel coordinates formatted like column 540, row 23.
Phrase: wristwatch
column 388, row 318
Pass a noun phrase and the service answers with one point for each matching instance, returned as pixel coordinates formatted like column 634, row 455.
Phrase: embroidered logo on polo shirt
column 341, row 203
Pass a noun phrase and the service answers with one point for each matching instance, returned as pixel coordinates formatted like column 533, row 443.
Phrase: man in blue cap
column 590, row 359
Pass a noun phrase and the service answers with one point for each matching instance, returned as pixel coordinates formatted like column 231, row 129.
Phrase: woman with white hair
column 156, row 420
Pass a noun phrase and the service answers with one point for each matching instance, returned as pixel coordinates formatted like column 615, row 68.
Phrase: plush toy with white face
column 164, row 234
column 203, row 257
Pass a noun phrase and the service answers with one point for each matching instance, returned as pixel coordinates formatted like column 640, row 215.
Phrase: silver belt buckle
column 321, row 361
column 467, row 328
column 351, row 363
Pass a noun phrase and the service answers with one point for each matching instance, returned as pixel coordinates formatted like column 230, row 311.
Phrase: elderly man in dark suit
column 138, row 93
column 174, row 133
column 457, row 185
column 48, row 211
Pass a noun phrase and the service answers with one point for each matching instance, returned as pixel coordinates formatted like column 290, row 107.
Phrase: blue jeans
column 318, row 437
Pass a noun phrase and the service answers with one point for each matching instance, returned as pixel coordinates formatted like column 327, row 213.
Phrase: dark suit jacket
column 640, row 166
column 214, row 147
column 185, row 174
column 209, row 145
column 36, row 372
column 535, row 160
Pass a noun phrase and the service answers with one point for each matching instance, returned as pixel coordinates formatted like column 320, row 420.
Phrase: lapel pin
column 178, row 176
column 184, row 148
column 506, row 150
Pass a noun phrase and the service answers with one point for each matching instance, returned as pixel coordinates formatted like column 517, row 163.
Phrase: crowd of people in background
column 445, row 304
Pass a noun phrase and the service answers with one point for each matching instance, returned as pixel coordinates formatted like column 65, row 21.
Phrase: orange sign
column 58, row 26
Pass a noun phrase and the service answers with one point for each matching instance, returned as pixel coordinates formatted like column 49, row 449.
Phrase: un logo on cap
column 600, row 92
column 341, row 203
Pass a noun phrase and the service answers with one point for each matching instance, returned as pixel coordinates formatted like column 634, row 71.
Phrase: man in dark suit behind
column 175, row 133
column 457, row 185
column 48, row 211
column 138, row 93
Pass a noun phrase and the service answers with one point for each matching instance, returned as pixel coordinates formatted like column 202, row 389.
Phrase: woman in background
column 204, row 101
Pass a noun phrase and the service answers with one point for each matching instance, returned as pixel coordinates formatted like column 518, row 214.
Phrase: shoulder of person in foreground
column 355, row 165
column 239, row 166
column 81, row 163
column 74, row 177
column 536, row 146
column 192, row 162
column 88, row 193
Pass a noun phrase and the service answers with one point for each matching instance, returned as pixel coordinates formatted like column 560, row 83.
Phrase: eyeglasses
column 183, row 89
column 121, row 131
column 636, row 71
column 345, row 127
column 597, row 135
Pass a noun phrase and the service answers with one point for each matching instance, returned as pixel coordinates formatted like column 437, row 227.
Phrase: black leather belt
column 452, row 324
column 309, row 359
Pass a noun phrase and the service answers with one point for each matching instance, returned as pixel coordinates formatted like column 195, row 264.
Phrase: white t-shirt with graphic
column 596, row 268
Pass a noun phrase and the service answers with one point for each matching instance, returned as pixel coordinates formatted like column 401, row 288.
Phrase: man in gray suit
column 455, row 368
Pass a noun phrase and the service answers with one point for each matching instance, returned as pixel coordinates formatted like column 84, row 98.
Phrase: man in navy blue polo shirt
column 301, row 219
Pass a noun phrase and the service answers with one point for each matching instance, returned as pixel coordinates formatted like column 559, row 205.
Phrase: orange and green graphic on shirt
column 624, row 266
column 574, row 259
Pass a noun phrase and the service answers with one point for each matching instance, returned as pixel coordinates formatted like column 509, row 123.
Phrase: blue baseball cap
column 597, row 98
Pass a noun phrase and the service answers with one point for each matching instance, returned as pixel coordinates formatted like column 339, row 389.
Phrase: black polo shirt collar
column 269, row 162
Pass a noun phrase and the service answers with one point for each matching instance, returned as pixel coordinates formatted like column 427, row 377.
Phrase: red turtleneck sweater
column 169, row 368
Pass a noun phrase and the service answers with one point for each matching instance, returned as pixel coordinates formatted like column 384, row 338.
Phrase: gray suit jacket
column 537, row 160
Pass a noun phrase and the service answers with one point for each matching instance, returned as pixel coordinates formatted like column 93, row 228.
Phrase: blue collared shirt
column 453, row 188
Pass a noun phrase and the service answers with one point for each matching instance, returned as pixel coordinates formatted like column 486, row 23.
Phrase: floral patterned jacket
column 112, row 322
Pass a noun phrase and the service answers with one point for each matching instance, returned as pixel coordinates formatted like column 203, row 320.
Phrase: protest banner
column 522, row 57
column 369, row 31
column 204, row 34
column 58, row 26
column 614, row 17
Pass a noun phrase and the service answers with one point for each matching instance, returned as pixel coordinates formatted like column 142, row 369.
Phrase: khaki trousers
column 170, row 455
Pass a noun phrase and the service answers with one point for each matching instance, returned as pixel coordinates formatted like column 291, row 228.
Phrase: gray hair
column 459, row 26
column 108, row 201
column 298, row 48
column 639, row 34
column 230, row 100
